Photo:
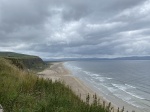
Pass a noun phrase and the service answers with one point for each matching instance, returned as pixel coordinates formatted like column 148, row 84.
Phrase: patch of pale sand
column 58, row 72
column 1, row 108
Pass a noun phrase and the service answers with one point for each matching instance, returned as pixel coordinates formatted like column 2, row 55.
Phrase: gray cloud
column 75, row 28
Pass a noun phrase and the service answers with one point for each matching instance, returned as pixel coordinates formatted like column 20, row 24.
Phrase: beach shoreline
column 58, row 71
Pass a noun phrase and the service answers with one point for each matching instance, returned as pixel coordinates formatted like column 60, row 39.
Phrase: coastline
column 58, row 71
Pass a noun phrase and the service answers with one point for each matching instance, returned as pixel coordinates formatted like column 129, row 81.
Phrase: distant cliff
column 24, row 61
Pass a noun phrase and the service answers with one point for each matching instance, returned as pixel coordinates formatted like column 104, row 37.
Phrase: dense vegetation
column 25, row 92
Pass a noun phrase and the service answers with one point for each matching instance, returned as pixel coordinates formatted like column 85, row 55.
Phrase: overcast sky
column 75, row 28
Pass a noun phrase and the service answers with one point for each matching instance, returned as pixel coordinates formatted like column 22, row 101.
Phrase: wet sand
column 58, row 72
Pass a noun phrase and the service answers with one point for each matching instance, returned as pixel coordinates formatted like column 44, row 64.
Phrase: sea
column 119, row 81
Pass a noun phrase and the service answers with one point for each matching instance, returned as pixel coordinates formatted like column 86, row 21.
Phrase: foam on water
column 130, row 86
column 111, row 89
column 125, row 88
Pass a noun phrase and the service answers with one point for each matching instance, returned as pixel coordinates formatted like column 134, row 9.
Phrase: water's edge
column 120, row 94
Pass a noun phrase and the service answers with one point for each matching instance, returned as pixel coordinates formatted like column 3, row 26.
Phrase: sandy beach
column 57, row 71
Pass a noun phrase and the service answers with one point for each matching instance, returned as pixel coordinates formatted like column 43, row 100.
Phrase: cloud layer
column 75, row 28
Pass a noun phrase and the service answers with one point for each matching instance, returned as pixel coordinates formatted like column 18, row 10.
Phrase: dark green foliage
column 22, row 92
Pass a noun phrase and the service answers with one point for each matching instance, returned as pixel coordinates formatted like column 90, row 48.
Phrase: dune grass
column 25, row 92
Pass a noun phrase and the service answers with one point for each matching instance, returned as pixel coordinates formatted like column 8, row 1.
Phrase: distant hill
column 15, row 55
column 24, row 61
column 92, row 59
column 133, row 58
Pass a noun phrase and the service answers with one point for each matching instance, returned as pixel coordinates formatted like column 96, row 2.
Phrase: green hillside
column 15, row 55
column 24, row 61
column 25, row 92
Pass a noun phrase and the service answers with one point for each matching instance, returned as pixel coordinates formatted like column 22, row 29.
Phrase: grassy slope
column 24, row 92
column 24, row 61
column 15, row 55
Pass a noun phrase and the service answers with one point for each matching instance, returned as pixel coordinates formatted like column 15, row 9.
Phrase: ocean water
column 126, row 80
